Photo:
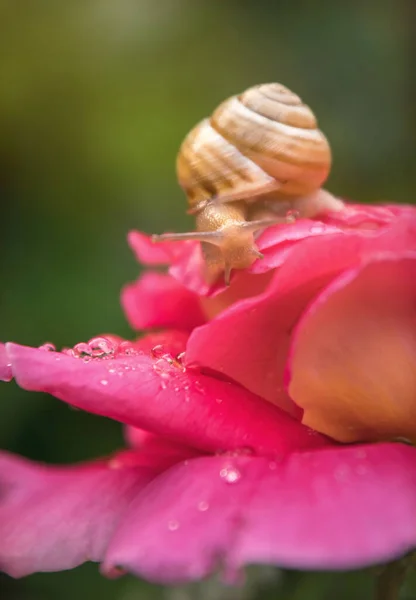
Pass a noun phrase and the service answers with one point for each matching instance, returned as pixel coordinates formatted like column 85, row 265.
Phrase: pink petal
column 5, row 367
column 157, row 447
column 156, row 393
column 353, row 362
column 189, row 269
column 329, row 509
column 135, row 437
column 249, row 341
column 54, row 518
column 276, row 243
column 172, row 341
column 367, row 216
column 158, row 300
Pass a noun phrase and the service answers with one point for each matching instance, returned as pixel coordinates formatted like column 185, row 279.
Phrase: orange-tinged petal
column 352, row 366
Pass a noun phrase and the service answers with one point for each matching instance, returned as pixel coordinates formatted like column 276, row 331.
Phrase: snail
column 257, row 161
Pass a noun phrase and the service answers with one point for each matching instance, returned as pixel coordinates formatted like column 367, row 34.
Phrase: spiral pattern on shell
column 265, row 139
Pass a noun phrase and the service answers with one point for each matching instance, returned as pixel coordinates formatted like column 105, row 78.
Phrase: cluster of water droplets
column 97, row 348
column 165, row 366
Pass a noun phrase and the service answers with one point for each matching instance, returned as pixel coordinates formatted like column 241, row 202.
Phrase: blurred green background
column 95, row 98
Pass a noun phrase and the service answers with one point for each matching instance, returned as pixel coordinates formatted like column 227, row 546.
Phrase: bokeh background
column 95, row 98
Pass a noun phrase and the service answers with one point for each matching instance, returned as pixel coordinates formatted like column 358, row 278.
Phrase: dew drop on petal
column 48, row 347
column 230, row 474
column 160, row 353
column 173, row 525
column 203, row 505
column 218, row 400
column 126, row 348
column 104, row 382
column 81, row 350
column 292, row 215
column 68, row 351
column 272, row 465
column 101, row 347
column 317, row 228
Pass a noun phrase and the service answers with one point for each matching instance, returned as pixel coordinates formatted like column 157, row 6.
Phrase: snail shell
column 257, row 157
column 262, row 140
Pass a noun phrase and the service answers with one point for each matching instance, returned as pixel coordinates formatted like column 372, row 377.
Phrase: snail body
column 259, row 158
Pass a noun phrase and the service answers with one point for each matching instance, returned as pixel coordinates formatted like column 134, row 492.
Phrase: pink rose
column 260, row 419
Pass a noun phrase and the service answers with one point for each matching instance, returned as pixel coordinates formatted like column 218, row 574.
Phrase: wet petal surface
column 57, row 517
column 153, row 391
column 336, row 508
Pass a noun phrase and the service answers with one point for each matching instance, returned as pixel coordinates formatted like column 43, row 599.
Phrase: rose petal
column 277, row 242
column 173, row 341
column 54, row 518
column 156, row 393
column 338, row 508
column 353, row 360
column 157, row 448
column 367, row 216
column 158, row 300
column 250, row 340
column 5, row 367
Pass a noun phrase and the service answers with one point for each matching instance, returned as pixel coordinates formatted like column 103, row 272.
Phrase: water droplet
column 48, row 347
column 292, row 215
column 81, row 350
column 101, row 347
column 272, row 465
column 218, row 400
column 126, row 349
column 230, row 474
column 95, row 348
column 173, row 525
column 160, row 352
column 104, row 382
column 317, row 228
column 68, row 351
column 203, row 506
